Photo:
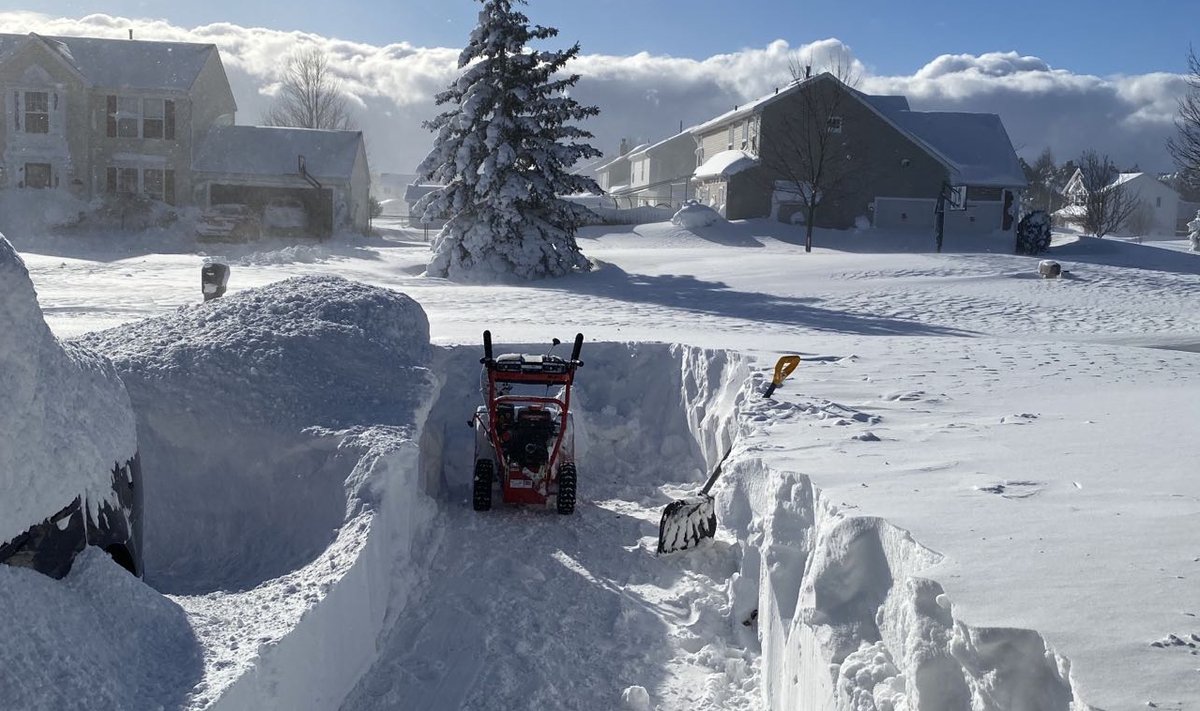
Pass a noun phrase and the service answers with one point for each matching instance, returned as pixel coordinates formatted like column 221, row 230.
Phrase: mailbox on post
column 214, row 277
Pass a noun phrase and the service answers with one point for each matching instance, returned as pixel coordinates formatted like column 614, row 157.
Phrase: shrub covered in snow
column 503, row 152
column 1194, row 232
column 693, row 215
column 1033, row 233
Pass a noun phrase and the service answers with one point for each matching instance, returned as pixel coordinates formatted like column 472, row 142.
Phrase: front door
column 37, row 175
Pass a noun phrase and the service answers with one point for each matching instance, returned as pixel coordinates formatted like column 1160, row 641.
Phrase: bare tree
column 1107, row 204
column 311, row 97
column 1185, row 148
column 812, row 161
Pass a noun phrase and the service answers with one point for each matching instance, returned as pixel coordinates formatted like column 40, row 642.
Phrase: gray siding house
column 97, row 117
column 899, row 161
column 659, row 174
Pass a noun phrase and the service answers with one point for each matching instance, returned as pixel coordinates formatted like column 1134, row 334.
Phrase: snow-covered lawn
column 978, row 480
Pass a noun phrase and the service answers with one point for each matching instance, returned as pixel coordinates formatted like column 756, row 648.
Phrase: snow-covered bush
column 693, row 215
column 1033, row 233
column 502, row 155
column 1194, row 232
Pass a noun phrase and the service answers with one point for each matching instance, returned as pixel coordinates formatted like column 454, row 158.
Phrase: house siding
column 65, row 146
column 869, row 138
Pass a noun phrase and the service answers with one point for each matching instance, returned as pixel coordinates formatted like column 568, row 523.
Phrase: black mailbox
column 214, row 277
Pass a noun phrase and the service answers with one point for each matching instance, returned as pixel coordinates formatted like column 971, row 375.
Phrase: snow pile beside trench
column 847, row 622
column 278, row 430
column 66, row 417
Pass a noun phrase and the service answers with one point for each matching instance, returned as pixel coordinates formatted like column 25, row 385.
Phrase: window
column 152, row 183
column 134, row 117
column 834, row 124
column 746, row 134
column 153, row 117
column 128, row 116
column 700, row 156
column 1158, row 202
column 37, row 112
column 37, row 175
column 729, row 146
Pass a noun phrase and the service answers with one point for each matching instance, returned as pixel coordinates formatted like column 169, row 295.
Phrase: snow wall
column 846, row 618
column 66, row 419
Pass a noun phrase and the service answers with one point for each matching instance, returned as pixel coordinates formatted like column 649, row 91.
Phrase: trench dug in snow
column 796, row 602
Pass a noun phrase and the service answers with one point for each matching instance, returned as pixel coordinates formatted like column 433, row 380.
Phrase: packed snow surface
column 66, row 420
column 978, row 489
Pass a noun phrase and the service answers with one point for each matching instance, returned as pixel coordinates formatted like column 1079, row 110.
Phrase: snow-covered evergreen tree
column 503, row 150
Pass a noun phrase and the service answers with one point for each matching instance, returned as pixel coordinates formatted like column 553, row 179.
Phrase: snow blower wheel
column 524, row 432
column 481, row 493
column 566, row 489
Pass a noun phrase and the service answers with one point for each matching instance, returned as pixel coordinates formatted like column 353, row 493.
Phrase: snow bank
column 281, row 484
column 98, row 639
column 695, row 215
column 66, row 417
column 847, row 622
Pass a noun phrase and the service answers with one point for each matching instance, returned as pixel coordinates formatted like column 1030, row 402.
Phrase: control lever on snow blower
column 487, row 348
column 783, row 368
column 687, row 521
column 578, row 347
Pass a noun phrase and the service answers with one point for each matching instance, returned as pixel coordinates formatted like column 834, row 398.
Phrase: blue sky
column 889, row 36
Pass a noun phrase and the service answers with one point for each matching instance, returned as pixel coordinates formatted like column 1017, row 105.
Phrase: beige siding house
column 659, row 174
column 97, row 117
column 897, row 161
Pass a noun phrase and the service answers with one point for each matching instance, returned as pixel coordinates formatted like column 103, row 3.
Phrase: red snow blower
column 524, row 441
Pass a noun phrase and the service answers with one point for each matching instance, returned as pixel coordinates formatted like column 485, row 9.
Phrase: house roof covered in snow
column 415, row 191
column 975, row 146
column 119, row 64
column 623, row 157
column 725, row 164
column 273, row 150
column 655, row 147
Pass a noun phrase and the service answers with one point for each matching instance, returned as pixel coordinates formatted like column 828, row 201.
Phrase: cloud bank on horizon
column 647, row 97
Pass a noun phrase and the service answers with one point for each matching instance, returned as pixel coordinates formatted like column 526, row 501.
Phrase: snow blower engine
column 524, row 439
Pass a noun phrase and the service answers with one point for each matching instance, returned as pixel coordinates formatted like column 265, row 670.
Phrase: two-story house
column 97, row 117
column 659, row 174
column 897, row 161
column 1157, row 211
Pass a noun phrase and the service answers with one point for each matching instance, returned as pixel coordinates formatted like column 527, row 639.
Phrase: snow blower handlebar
column 487, row 348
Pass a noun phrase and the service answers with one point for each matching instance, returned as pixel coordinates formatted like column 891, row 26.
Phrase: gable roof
column 122, row 64
column 642, row 151
column 975, row 146
column 274, row 151
column 623, row 157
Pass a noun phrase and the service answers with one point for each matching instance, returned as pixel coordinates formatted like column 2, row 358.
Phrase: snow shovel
column 783, row 368
column 687, row 521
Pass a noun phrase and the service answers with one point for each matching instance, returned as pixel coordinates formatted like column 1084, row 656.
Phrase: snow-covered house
column 323, row 172
column 903, row 160
column 94, row 116
column 659, row 174
column 613, row 177
column 1158, row 211
column 97, row 117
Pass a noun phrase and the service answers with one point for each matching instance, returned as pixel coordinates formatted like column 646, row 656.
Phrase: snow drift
column 66, row 417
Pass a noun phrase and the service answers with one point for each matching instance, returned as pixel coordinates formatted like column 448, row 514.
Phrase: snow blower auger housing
column 525, row 441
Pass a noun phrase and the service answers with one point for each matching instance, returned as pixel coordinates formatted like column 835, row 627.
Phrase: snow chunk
column 636, row 698
column 695, row 215
column 66, row 417
column 725, row 164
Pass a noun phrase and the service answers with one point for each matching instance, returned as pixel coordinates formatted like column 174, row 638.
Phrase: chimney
column 807, row 71
column 130, row 33
column 624, row 147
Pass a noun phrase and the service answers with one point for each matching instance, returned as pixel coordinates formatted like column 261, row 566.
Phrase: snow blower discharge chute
column 688, row 521
column 524, row 434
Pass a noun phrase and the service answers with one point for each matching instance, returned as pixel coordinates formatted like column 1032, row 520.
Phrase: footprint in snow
column 1022, row 419
column 1189, row 641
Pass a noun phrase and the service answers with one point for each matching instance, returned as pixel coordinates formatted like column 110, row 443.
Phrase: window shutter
column 169, row 187
column 111, row 177
column 169, row 121
column 112, row 130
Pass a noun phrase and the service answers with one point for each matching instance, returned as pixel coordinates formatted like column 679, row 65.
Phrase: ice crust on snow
column 66, row 417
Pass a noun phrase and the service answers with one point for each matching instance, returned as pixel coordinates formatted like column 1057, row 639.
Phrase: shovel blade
column 686, row 522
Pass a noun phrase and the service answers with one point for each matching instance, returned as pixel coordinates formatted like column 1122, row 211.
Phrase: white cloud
column 647, row 97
